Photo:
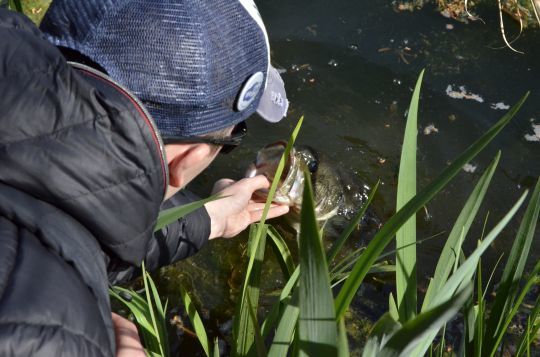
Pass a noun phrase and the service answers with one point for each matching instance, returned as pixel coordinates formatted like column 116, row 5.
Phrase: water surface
column 349, row 68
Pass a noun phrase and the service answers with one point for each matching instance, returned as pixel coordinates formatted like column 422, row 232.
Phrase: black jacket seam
column 106, row 188
column 68, row 127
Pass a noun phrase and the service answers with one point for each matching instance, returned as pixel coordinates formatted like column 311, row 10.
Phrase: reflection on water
column 350, row 67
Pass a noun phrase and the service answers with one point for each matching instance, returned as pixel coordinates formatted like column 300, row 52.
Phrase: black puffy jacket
column 82, row 178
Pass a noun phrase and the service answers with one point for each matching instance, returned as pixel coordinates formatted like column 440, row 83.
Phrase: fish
column 328, row 189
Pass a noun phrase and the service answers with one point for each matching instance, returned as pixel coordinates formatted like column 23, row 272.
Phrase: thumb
column 256, row 183
column 222, row 184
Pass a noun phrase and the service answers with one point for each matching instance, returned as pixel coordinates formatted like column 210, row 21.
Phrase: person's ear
column 183, row 160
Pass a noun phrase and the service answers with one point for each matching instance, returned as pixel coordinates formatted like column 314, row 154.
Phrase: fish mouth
column 266, row 164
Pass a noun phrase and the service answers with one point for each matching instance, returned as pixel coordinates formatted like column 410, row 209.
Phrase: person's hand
column 128, row 343
column 231, row 215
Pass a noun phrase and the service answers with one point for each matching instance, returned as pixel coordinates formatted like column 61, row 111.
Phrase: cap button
column 249, row 91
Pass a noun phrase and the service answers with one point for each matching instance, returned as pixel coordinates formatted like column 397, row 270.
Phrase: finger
column 272, row 213
column 254, row 206
column 222, row 184
column 256, row 183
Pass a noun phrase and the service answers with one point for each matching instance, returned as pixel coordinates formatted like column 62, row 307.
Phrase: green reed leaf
column 533, row 280
column 533, row 327
column 161, row 323
column 196, row 320
column 159, row 335
column 139, row 308
column 405, row 340
column 216, row 348
column 15, row 5
column 171, row 215
column 461, row 227
column 343, row 343
column 317, row 320
column 279, row 308
column 279, row 171
column 385, row 235
column 282, row 252
column 243, row 328
column 406, row 235
column 243, row 332
column 259, row 343
column 287, row 325
column 513, row 270
column 465, row 273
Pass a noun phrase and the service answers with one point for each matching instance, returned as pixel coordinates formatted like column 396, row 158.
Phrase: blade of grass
column 195, row 319
column 381, row 332
column 478, row 333
column 515, row 264
column 404, row 341
column 216, row 347
column 243, row 329
column 465, row 272
column 462, row 225
column 279, row 171
column 139, row 308
column 15, row 5
column 340, row 269
column 281, row 304
column 443, row 342
column 171, row 215
column 406, row 235
column 282, row 252
column 533, row 280
column 317, row 320
column 375, row 269
column 385, row 235
column 151, row 311
column 259, row 343
column 343, row 343
column 162, row 330
column 392, row 307
column 533, row 327
column 286, row 328
column 493, row 271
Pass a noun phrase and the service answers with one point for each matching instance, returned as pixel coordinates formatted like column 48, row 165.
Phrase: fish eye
column 313, row 165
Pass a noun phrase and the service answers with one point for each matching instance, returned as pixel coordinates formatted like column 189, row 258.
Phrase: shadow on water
column 349, row 68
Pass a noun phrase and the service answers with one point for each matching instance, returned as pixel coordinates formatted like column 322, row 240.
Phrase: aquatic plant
column 15, row 5
column 307, row 319
column 525, row 12
column 149, row 314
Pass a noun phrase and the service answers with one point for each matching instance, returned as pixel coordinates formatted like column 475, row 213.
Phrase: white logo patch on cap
column 249, row 91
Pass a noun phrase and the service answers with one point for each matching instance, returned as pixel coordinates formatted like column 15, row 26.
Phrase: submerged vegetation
column 525, row 12
column 308, row 318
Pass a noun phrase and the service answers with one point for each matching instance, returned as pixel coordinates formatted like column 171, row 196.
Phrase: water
column 349, row 68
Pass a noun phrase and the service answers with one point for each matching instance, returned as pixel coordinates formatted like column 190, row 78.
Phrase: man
column 89, row 150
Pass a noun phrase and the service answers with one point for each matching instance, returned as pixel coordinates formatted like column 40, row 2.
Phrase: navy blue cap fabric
column 186, row 60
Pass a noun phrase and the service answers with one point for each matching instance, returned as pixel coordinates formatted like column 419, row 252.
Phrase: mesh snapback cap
column 197, row 65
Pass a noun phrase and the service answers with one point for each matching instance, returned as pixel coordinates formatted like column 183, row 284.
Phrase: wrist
column 216, row 226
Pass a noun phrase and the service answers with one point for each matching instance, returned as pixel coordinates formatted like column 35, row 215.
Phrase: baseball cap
column 198, row 66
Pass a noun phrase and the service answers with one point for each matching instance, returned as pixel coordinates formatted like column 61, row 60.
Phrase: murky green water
column 349, row 69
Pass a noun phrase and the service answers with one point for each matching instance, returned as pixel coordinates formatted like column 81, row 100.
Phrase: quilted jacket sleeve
column 177, row 241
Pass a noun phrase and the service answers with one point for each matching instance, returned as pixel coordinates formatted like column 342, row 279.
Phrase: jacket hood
column 73, row 138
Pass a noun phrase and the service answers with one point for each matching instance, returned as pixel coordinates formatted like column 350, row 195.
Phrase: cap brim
column 273, row 104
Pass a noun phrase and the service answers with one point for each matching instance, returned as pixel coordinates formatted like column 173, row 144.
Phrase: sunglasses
column 227, row 144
